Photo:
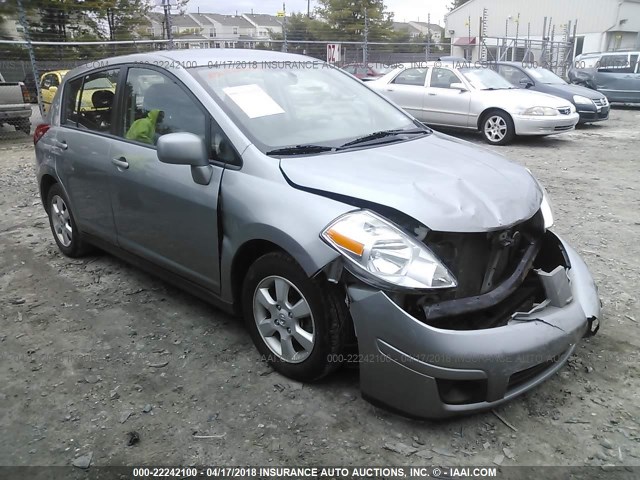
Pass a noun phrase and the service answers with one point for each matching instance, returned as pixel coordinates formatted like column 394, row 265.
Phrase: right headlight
column 383, row 255
column 579, row 99
column 540, row 111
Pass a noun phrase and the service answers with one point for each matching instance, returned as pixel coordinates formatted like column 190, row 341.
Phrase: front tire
column 298, row 324
column 497, row 128
column 63, row 224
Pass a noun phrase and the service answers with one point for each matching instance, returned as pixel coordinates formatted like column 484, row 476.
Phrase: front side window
column 514, row 75
column 412, row 76
column 88, row 101
column 280, row 106
column 545, row 76
column 485, row 79
column 155, row 105
column 617, row 64
column 443, row 78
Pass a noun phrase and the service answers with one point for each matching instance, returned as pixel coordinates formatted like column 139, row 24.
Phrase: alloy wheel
column 284, row 319
column 495, row 128
column 61, row 220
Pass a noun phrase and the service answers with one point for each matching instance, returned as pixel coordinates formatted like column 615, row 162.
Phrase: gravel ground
column 94, row 349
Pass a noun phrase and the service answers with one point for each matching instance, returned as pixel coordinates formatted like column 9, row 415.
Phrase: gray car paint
column 447, row 185
column 406, row 355
column 450, row 186
column 618, row 87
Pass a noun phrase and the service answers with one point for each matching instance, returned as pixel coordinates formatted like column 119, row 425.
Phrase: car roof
column 202, row 57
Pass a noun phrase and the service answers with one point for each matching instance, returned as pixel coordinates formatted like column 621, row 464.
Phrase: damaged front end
column 522, row 300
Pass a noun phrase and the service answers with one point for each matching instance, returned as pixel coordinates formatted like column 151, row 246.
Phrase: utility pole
column 427, row 50
column 22, row 16
column 167, row 20
column 365, row 46
column 285, row 46
column 308, row 8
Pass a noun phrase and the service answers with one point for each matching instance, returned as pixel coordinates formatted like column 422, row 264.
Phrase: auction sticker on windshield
column 253, row 100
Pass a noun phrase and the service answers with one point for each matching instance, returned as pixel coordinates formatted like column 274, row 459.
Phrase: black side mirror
column 525, row 83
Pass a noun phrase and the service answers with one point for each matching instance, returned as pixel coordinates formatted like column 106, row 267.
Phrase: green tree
column 457, row 3
column 118, row 19
column 346, row 19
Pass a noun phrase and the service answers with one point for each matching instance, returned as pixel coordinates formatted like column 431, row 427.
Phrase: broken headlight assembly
column 545, row 205
column 383, row 255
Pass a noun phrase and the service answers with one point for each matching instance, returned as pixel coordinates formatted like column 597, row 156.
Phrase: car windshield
column 485, row 79
column 545, row 76
column 279, row 105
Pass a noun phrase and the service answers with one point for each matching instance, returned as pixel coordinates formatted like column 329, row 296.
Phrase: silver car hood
column 446, row 184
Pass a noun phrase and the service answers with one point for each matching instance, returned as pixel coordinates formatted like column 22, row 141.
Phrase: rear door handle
column 432, row 94
column 62, row 144
column 389, row 89
column 120, row 162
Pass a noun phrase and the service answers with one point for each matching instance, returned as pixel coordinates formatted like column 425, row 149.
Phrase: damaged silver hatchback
column 342, row 229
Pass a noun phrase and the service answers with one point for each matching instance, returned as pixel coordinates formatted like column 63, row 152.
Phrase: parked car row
column 509, row 98
column 475, row 99
column 340, row 227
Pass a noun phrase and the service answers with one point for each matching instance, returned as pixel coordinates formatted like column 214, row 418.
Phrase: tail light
column 40, row 131
column 26, row 96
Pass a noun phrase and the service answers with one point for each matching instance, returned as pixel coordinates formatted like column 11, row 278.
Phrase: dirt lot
column 93, row 349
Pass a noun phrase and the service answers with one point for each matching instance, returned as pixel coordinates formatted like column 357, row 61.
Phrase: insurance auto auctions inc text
column 386, row 472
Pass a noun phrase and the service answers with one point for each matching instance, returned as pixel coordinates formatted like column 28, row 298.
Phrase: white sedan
column 444, row 94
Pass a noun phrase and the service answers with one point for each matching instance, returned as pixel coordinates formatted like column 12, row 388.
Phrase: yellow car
column 50, row 81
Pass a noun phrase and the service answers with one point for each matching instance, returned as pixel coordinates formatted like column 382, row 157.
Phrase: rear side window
column 412, row 76
column 89, row 101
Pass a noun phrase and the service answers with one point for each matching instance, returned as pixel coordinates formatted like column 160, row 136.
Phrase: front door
column 443, row 104
column 161, row 214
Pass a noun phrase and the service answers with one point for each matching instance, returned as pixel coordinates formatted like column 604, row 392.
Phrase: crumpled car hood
column 447, row 184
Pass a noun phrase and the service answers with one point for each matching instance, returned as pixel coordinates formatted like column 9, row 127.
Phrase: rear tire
column 497, row 128
column 63, row 224
column 298, row 324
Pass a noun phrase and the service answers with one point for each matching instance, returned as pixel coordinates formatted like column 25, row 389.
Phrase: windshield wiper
column 300, row 150
column 383, row 134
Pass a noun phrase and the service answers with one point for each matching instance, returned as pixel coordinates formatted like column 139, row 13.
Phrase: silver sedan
column 444, row 94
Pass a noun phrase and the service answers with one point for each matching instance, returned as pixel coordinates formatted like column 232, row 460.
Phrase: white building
column 602, row 25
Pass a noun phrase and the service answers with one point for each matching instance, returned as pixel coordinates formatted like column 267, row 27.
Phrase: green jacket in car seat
column 144, row 129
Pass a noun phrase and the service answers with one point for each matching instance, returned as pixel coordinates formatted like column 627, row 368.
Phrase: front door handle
column 120, row 162
column 432, row 94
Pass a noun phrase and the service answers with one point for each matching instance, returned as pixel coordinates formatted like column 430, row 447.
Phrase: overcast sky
column 404, row 10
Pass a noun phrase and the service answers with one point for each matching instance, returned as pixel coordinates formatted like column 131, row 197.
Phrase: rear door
column 82, row 147
column 161, row 213
column 443, row 104
column 407, row 90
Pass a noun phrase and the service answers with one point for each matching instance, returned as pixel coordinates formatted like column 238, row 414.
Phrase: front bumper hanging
column 427, row 372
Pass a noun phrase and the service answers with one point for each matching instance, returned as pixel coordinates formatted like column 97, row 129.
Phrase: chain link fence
column 31, row 84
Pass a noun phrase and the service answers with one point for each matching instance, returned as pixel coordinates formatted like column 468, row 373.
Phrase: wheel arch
column 236, row 260
column 46, row 182
column 487, row 111
column 244, row 257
